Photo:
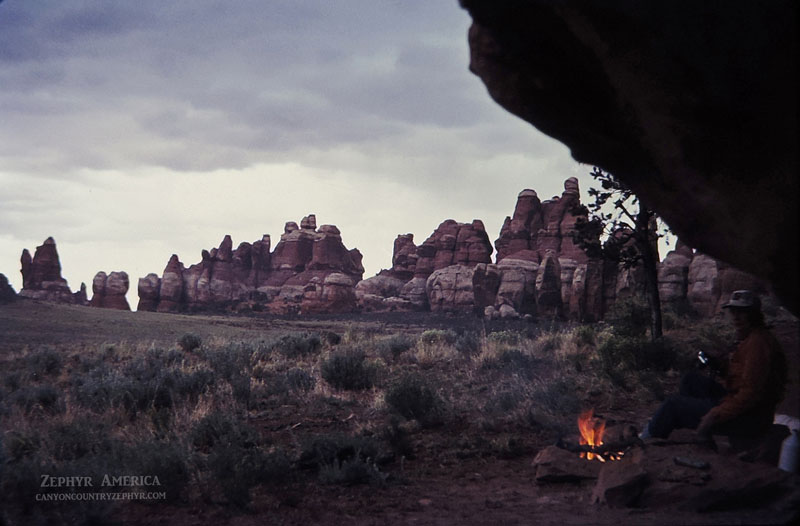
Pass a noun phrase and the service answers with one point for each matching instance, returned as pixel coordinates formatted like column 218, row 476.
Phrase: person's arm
column 754, row 375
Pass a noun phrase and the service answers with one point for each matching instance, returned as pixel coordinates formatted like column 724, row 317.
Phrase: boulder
column 450, row 289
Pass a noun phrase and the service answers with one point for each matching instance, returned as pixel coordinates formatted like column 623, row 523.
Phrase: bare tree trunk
column 649, row 253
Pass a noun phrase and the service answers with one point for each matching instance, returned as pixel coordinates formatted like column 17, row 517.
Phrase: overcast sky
column 130, row 131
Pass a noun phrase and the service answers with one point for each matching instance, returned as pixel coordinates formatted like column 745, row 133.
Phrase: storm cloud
column 131, row 131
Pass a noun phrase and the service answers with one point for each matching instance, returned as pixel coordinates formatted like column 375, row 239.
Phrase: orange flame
column 592, row 429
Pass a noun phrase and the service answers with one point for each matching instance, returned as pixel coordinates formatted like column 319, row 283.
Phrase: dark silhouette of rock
column 667, row 97
column 41, row 275
column 7, row 294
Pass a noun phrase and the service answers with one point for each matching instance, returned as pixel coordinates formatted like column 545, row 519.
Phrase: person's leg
column 698, row 385
column 677, row 412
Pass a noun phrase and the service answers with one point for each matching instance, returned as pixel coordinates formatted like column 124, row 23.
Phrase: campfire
column 592, row 429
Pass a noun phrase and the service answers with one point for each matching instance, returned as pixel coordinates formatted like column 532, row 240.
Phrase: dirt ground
column 460, row 473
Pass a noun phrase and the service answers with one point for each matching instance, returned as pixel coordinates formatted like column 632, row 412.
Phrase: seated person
column 754, row 382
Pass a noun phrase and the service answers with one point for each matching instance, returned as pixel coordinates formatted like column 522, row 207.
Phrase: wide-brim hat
column 743, row 299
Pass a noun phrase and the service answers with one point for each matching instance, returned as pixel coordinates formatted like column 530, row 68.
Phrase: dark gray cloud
column 157, row 123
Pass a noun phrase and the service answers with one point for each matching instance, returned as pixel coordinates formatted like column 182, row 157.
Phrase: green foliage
column 347, row 369
column 434, row 336
column 505, row 337
column 189, row 342
column 413, row 398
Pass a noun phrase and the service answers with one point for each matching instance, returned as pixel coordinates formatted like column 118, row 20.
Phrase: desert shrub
column 630, row 317
column 620, row 355
column 504, row 337
column 322, row 450
column 557, row 397
column 166, row 460
column 240, row 385
column 398, row 438
column 584, row 335
column 234, row 458
column 297, row 344
column 299, row 380
column 347, row 369
column 230, row 360
column 433, row 336
column 45, row 361
column 76, row 439
column 394, row 345
column 45, row 398
column 505, row 401
column 189, row 342
column 190, row 385
column 512, row 361
column 413, row 398
column 468, row 343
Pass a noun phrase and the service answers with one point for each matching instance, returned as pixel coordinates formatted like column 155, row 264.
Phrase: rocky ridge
column 310, row 271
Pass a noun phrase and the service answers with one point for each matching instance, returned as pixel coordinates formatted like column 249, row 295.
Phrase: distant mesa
column 41, row 277
column 310, row 271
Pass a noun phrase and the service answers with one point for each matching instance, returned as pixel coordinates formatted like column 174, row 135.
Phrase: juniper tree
column 631, row 233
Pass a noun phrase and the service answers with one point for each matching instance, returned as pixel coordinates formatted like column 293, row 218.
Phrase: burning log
column 610, row 450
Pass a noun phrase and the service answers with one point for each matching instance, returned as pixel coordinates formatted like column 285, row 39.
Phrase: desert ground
column 362, row 419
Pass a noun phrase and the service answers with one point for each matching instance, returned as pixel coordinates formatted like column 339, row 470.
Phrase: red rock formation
column 548, row 287
column 148, row 289
column 450, row 289
column 537, row 227
column 108, row 291
column 310, row 270
column 41, row 275
column 7, row 294
column 451, row 244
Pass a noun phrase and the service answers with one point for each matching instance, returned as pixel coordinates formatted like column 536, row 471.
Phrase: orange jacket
column 755, row 379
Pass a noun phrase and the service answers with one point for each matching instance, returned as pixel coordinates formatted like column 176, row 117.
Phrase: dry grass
column 497, row 394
